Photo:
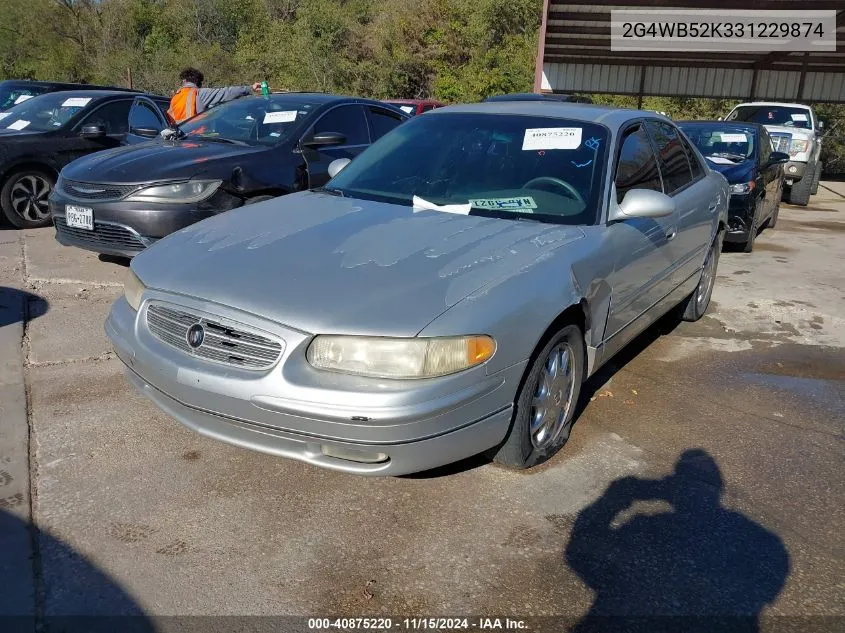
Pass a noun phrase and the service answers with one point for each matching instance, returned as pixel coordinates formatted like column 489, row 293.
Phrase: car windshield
column 521, row 167
column 773, row 115
column 43, row 113
column 407, row 108
column 13, row 94
column 722, row 144
column 252, row 120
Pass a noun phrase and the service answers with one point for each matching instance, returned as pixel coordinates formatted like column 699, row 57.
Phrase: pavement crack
column 70, row 361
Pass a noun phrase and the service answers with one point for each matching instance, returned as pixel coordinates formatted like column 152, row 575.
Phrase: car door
column 692, row 203
column 112, row 116
column 639, row 246
column 772, row 175
column 346, row 119
column 145, row 121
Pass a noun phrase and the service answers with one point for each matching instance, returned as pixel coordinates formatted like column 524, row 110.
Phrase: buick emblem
column 195, row 335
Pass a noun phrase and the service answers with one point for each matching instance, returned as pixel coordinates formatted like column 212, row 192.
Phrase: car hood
column 159, row 160
column 796, row 132
column 326, row 264
column 734, row 173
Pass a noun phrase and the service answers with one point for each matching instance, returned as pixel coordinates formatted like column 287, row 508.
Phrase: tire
column 816, row 178
column 774, row 219
column 752, row 230
column 694, row 306
column 257, row 199
column 799, row 192
column 23, row 198
column 535, row 436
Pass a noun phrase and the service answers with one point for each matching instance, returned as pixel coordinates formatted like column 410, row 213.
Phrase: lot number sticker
column 79, row 102
column 798, row 117
column 407, row 109
column 522, row 203
column 551, row 138
column 22, row 98
column 18, row 125
column 734, row 138
column 280, row 117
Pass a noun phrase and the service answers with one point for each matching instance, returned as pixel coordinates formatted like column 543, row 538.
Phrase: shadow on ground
column 665, row 555
column 19, row 305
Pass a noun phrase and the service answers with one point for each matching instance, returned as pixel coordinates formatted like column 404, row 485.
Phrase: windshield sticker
column 424, row 205
column 18, row 125
column 286, row 116
column 3, row 115
column 733, row 138
column 798, row 117
column 275, row 133
column 76, row 102
column 551, row 138
column 407, row 109
column 22, row 98
column 592, row 143
column 719, row 160
column 582, row 164
column 521, row 203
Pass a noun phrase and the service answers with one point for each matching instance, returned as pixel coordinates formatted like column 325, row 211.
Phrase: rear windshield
column 46, row 112
column 722, row 144
column 407, row 108
column 520, row 167
column 773, row 115
column 251, row 120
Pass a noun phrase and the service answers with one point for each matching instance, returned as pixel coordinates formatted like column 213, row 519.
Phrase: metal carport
column 574, row 55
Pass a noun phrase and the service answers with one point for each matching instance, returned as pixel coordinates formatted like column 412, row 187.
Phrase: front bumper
column 794, row 171
column 740, row 217
column 125, row 228
column 346, row 423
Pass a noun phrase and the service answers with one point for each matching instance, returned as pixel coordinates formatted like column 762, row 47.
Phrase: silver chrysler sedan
column 446, row 294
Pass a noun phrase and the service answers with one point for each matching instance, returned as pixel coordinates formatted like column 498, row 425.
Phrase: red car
column 415, row 106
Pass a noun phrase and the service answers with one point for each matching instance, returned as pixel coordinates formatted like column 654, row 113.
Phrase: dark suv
column 245, row 151
column 41, row 135
column 15, row 91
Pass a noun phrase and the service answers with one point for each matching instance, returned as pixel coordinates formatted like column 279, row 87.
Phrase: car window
column 674, row 164
column 637, row 164
column 694, row 162
column 13, row 95
column 426, row 108
column 773, row 115
column 765, row 146
column 381, row 122
column 723, row 143
column 508, row 166
column 144, row 116
column 347, row 120
column 113, row 116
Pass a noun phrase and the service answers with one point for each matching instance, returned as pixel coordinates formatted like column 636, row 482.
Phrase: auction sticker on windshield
column 733, row 138
column 79, row 217
column 285, row 116
column 22, row 98
column 522, row 203
column 551, row 138
column 79, row 102
column 18, row 125
column 798, row 117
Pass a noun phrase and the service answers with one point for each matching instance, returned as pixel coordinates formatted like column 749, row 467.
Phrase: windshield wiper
column 329, row 190
column 220, row 139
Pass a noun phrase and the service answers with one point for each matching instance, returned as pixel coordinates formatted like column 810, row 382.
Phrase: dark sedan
column 41, row 135
column 743, row 153
column 15, row 91
column 249, row 150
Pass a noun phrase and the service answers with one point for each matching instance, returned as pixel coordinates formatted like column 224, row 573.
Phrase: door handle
column 713, row 206
column 671, row 233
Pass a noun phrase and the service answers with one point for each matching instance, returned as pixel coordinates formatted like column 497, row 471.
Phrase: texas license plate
column 79, row 217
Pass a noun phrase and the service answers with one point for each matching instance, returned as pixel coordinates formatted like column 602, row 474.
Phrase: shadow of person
column 58, row 590
column 678, row 562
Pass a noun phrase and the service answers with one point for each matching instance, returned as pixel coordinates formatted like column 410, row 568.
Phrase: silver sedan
column 446, row 294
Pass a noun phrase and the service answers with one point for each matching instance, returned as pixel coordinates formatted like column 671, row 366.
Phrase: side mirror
column 324, row 139
column 337, row 165
column 775, row 158
column 93, row 131
column 146, row 132
column 821, row 125
column 643, row 203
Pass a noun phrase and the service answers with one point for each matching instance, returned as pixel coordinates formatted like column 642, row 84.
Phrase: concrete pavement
column 749, row 402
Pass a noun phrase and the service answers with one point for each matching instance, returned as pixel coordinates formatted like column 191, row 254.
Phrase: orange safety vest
column 183, row 105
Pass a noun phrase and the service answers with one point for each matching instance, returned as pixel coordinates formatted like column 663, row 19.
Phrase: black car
column 15, row 91
column 533, row 96
column 245, row 151
column 743, row 153
column 43, row 134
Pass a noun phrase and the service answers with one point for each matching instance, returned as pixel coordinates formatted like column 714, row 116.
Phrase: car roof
column 413, row 101
column 94, row 94
column 68, row 85
column 774, row 103
column 610, row 116
column 718, row 123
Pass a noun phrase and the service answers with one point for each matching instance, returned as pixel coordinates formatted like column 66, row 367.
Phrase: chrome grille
column 104, row 234
column 94, row 191
column 781, row 142
column 221, row 344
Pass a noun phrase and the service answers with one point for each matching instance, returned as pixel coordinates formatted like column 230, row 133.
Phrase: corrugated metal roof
column 575, row 56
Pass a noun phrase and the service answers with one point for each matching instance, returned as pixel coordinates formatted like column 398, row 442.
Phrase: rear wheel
column 23, row 198
column 816, row 178
column 696, row 304
column 546, row 404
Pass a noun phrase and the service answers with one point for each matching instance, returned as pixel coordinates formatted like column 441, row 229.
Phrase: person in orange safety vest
column 192, row 98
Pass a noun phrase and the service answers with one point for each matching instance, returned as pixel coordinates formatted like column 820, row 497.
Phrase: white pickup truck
column 794, row 129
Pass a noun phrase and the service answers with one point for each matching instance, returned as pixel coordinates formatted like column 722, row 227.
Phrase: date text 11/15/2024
column 416, row 624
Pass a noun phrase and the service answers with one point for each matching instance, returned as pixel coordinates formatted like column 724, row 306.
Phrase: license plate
column 79, row 217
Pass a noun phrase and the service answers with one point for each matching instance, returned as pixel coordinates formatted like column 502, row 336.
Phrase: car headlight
column 798, row 146
column 190, row 191
column 133, row 288
column 399, row 357
column 742, row 188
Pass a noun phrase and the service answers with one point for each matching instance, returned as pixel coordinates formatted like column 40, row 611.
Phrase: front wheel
column 23, row 199
column 696, row 304
column 817, row 176
column 546, row 404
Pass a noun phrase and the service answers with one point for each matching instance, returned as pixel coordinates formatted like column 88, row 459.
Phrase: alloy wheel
column 28, row 197
column 708, row 278
column 553, row 397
